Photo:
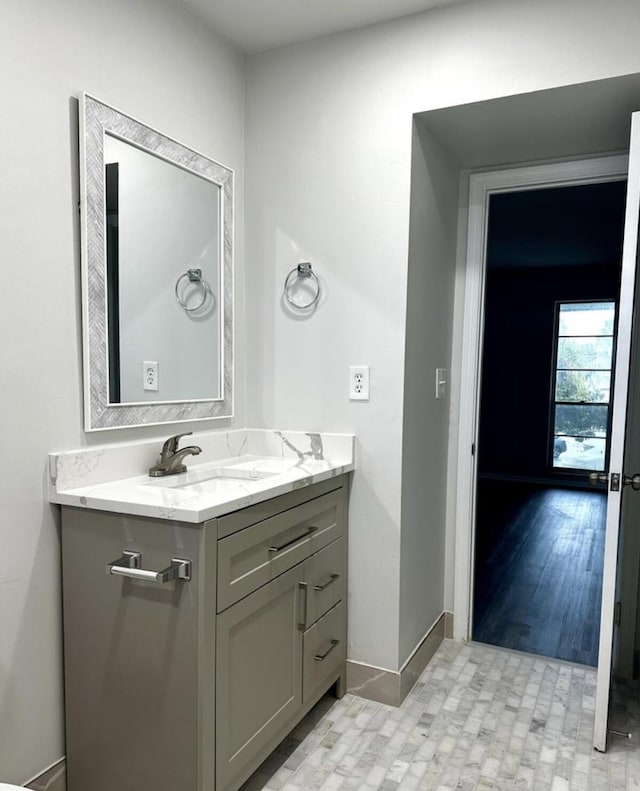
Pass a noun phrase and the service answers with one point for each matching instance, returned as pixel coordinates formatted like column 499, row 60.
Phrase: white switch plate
column 149, row 375
column 441, row 382
column 359, row 383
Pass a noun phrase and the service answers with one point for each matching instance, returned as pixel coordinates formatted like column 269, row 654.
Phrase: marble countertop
column 235, row 469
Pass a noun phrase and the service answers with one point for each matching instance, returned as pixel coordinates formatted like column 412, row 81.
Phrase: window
column 582, row 385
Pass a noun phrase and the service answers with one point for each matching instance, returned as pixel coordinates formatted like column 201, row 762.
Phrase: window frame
column 553, row 403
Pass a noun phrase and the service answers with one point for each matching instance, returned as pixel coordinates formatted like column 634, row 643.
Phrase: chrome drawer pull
column 129, row 566
column 321, row 657
column 332, row 578
column 293, row 540
column 302, row 625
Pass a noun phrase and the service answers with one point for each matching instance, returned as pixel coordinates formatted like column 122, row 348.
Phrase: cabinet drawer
column 324, row 651
column 325, row 575
column 254, row 556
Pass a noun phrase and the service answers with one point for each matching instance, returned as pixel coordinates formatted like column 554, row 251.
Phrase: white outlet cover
column 149, row 375
column 359, row 383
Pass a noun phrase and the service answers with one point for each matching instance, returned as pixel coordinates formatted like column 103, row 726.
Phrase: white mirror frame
column 96, row 119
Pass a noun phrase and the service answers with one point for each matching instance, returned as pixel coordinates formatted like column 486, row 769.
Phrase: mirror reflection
column 162, row 227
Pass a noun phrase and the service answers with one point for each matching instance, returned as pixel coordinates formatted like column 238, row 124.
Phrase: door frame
column 481, row 186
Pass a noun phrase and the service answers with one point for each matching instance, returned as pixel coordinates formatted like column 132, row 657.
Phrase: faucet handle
column 171, row 445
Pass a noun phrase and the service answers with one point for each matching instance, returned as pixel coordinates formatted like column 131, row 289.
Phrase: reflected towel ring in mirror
column 193, row 276
column 302, row 271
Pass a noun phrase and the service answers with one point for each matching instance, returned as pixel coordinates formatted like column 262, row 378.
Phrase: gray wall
column 149, row 58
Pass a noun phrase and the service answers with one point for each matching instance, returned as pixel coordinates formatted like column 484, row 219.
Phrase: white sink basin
column 202, row 480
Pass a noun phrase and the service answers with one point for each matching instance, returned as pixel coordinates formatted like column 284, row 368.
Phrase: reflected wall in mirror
column 157, row 275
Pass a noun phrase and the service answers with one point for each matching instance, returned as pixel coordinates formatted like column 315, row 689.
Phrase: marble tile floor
column 479, row 718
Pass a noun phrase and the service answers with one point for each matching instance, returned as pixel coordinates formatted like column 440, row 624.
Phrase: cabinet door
column 131, row 656
column 258, row 676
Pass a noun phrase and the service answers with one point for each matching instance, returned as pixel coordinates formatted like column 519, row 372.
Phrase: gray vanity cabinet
column 191, row 684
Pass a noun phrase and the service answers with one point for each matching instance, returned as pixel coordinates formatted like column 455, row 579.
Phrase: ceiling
column 257, row 25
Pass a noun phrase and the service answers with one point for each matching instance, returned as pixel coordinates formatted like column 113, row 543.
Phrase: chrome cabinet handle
column 332, row 578
column 321, row 657
column 303, row 588
column 293, row 540
column 129, row 565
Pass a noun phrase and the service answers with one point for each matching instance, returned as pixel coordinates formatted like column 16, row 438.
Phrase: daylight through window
column 582, row 386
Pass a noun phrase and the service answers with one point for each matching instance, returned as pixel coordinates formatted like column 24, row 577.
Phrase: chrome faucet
column 170, row 462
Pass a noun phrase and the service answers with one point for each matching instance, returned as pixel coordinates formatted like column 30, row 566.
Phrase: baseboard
column 448, row 625
column 393, row 686
column 53, row 779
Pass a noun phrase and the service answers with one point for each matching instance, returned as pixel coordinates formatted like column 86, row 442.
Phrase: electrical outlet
column 359, row 383
column 149, row 375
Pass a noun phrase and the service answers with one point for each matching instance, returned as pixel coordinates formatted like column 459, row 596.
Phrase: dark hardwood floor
column 538, row 571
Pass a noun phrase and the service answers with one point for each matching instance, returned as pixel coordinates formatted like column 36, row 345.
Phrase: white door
column 619, row 426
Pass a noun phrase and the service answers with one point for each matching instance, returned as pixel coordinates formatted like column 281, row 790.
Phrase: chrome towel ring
column 302, row 271
column 193, row 276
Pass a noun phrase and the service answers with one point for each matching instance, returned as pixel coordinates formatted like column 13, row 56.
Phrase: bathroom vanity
column 199, row 633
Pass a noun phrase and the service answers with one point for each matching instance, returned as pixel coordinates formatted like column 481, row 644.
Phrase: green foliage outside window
column 583, row 370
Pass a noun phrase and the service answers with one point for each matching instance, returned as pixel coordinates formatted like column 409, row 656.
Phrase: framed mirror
column 157, row 275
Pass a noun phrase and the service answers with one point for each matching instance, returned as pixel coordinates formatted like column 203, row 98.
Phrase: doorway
column 563, row 128
column 553, row 260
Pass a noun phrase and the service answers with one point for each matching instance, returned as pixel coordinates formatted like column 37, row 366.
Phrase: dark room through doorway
column 553, row 263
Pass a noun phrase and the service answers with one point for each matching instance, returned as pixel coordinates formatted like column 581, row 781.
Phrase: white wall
column 328, row 164
column 149, row 58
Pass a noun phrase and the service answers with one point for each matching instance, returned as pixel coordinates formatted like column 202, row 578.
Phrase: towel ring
column 302, row 271
column 194, row 276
